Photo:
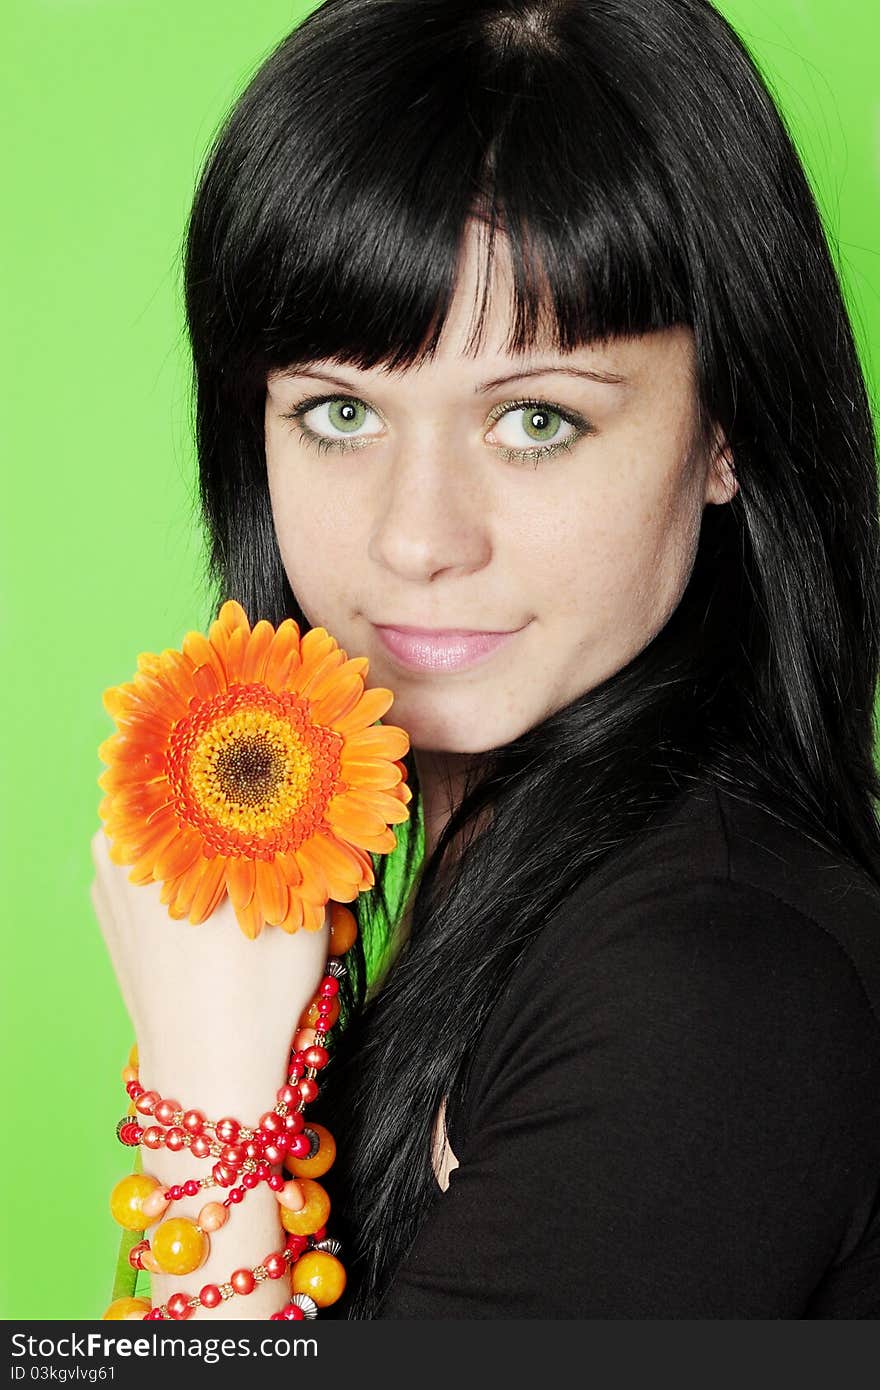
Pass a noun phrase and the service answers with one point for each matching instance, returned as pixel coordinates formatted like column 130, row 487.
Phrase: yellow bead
column 319, row 1163
column 320, row 1275
column 310, row 1017
column 313, row 1215
column 179, row 1246
column 126, row 1199
column 127, row 1308
column 343, row 929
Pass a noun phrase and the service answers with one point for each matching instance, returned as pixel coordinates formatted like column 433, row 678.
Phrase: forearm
column 243, row 1086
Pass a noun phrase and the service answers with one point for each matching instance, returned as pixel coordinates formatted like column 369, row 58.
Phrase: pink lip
column 441, row 649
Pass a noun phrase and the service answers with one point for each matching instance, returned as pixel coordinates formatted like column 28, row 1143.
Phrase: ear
column 721, row 480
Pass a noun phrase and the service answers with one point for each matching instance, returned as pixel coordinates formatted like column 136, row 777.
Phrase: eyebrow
column 604, row 378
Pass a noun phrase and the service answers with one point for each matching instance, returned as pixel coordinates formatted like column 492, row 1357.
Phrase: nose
column 433, row 515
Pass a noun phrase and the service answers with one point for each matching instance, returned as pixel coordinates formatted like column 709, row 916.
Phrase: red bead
column 236, row 1195
column 129, row 1131
column 263, row 1170
column 191, row 1188
column 242, row 1280
column 233, row 1154
column 288, row 1096
column 271, row 1123
column 329, row 986
column 308, row 1089
column 252, row 1149
column 154, row 1315
column 179, row 1307
column 317, row 1057
column 320, row 1234
column 275, row 1265
column 165, row 1111
column 193, row 1121
column 275, row 1181
column 325, row 1006
column 295, row 1068
column 292, row 1313
column 299, row 1146
column 227, row 1130
column 210, row 1296
column 296, row 1245
column 275, row 1152
column 134, row 1254
column 153, row 1137
column 200, row 1146
column 175, row 1139
column 175, row 1192
column 250, row 1181
column 134, row 1089
column 294, row 1123
column 223, row 1175
column 146, row 1101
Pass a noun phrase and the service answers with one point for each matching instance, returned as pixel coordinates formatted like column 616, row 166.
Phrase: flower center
column 252, row 771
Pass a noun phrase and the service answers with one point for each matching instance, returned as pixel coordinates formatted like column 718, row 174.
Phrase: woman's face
column 553, row 498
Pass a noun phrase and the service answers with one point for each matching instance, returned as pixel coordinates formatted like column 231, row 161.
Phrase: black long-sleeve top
column 674, row 1109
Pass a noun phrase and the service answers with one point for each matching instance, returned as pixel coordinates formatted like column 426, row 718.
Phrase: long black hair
column 630, row 154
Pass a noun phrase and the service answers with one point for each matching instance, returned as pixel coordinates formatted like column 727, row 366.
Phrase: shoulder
column 723, row 943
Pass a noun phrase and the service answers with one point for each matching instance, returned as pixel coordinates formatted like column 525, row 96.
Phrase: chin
column 444, row 731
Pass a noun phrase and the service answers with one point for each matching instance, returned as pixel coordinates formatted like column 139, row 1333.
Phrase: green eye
column 541, row 424
column 346, row 414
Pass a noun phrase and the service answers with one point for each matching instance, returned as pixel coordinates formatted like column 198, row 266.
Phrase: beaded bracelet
column 245, row 1156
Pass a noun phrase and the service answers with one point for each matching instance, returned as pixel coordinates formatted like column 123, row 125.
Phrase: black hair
column 632, row 157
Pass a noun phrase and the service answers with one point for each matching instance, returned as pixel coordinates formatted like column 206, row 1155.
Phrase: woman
column 517, row 317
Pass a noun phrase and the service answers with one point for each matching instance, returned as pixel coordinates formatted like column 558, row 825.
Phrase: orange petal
column 290, row 868
column 315, row 644
column 372, row 706
column 314, row 886
column 313, row 915
column 257, row 652
column 251, row 919
column 271, row 891
column 283, row 655
column 350, row 817
column 235, row 654
column 201, row 653
column 233, row 616
column 339, row 699
column 389, row 808
column 207, row 683
column 241, row 878
column 294, row 919
column 379, row 774
column 211, row 888
column 312, row 674
column 189, row 884
column 178, row 855
column 382, row 741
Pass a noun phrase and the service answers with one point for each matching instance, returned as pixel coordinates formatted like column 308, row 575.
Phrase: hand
column 212, row 1011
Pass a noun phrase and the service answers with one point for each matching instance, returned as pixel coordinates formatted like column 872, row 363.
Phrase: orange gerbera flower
column 248, row 763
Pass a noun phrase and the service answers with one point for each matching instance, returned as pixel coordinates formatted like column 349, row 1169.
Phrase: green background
column 108, row 107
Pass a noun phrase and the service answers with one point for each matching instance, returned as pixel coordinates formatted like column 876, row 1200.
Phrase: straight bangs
column 337, row 197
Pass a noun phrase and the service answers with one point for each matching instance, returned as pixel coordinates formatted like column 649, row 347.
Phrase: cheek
column 321, row 540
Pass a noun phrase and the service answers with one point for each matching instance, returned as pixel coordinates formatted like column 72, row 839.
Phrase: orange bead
column 179, row 1246
column 309, row 1019
column 126, row 1199
column 213, row 1215
column 343, row 929
column 127, row 1308
column 129, row 1073
column 319, row 1163
column 320, row 1275
column 149, row 1263
column 291, row 1196
column 313, row 1215
column 304, row 1038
